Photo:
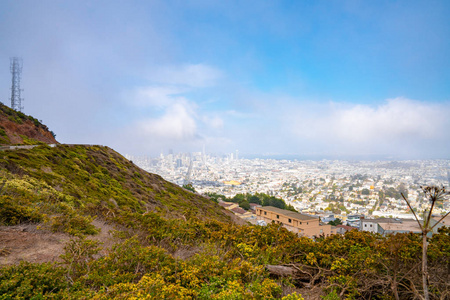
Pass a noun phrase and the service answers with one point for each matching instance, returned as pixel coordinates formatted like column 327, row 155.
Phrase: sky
column 325, row 78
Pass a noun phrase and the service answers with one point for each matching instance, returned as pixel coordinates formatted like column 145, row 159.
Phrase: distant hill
column 16, row 128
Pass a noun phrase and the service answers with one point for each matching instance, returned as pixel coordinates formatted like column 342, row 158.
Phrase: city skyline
column 369, row 187
column 326, row 79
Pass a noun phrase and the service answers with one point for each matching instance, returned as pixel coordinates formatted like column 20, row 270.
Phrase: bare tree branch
column 440, row 220
column 415, row 216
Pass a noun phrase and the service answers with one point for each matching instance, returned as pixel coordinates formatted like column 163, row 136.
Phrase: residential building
column 302, row 224
column 388, row 225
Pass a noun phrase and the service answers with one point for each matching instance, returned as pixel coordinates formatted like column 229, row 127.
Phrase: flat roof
column 387, row 220
column 411, row 226
column 293, row 215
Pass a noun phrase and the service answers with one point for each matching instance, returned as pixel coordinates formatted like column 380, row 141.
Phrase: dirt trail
column 27, row 243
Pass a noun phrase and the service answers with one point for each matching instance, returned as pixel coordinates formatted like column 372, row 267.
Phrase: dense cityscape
column 341, row 188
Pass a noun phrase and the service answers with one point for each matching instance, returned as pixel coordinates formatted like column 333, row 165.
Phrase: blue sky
column 285, row 77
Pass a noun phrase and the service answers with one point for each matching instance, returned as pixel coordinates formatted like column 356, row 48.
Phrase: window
column 278, row 216
column 365, row 225
column 321, row 230
column 300, row 223
column 306, row 223
column 290, row 221
column 370, row 225
column 265, row 213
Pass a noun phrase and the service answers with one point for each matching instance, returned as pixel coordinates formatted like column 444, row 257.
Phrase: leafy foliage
column 31, row 281
column 13, row 213
column 263, row 199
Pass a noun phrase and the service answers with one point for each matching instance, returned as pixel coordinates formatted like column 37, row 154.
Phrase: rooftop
column 388, row 220
column 293, row 215
column 239, row 210
column 410, row 226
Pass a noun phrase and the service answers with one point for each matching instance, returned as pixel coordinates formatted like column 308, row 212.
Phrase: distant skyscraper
column 179, row 163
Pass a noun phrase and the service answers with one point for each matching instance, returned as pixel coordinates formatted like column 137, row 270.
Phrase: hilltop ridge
column 16, row 128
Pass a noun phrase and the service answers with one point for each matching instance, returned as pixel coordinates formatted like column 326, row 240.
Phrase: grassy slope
column 97, row 180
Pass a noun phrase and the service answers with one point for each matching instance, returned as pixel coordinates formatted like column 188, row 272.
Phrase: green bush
column 73, row 224
column 31, row 281
column 13, row 213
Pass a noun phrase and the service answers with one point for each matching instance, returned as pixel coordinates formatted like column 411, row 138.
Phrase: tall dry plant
column 434, row 194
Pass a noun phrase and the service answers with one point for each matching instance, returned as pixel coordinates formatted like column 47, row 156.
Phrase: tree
column 216, row 197
column 189, row 187
column 244, row 204
column 238, row 198
column 335, row 222
column 434, row 194
column 254, row 199
column 365, row 191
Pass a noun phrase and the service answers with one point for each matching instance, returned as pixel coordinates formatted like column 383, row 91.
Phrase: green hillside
column 94, row 180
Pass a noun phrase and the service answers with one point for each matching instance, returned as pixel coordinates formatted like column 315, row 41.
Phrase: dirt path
column 27, row 243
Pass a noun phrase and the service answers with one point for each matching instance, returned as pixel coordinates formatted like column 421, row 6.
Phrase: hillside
column 97, row 178
column 17, row 128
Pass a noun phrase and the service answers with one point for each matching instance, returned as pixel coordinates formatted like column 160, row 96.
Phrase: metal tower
column 16, row 70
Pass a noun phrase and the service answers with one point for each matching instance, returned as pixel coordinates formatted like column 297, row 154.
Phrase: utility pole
column 16, row 70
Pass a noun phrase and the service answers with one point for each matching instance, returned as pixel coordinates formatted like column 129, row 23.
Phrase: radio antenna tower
column 16, row 70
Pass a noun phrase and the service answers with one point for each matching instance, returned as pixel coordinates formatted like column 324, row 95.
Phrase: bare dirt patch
column 105, row 236
column 27, row 243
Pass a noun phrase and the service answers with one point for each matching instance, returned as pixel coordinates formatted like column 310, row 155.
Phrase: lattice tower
column 16, row 70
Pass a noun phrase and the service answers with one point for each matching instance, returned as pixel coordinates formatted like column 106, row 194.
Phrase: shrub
column 13, row 213
column 31, row 281
column 73, row 224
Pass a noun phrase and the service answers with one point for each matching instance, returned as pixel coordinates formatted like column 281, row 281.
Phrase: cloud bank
column 398, row 126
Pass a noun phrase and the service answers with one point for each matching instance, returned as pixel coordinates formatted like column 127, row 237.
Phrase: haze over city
column 326, row 78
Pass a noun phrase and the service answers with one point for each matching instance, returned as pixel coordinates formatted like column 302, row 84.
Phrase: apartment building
column 303, row 225
column 389, row 226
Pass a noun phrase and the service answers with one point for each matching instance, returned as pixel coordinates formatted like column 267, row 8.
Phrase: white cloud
column 388, row 127
column 178, row 123
column 396, row 119
column 159, row 96
column 190, row 75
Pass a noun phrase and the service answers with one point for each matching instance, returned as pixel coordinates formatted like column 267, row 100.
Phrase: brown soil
column 27, row 243
column 28, row 128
